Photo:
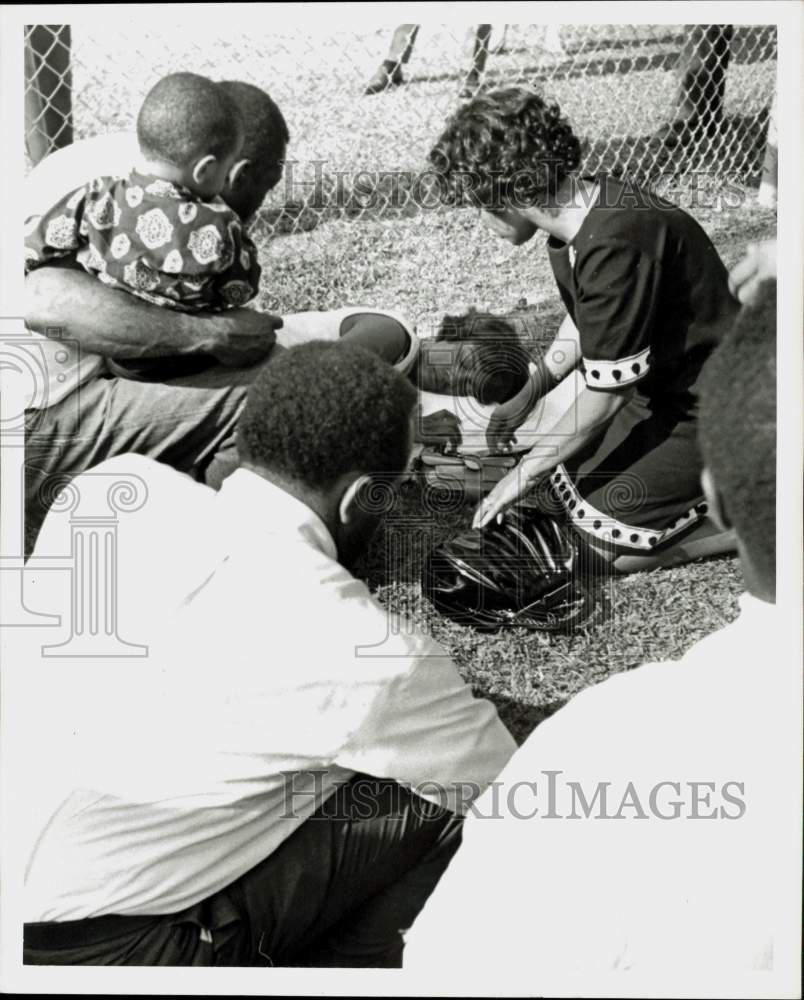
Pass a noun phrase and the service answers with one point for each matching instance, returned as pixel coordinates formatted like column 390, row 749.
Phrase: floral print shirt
column 152, row 238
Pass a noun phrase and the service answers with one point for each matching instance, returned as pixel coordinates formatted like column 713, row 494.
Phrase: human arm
column 427, row 729
column 560, row 358
column 56, row 234
column 591, row 411
column 758, row 265
column 114, row 324
column 619, row 295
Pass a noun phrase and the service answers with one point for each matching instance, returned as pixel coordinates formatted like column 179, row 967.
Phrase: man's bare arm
column 117, row 325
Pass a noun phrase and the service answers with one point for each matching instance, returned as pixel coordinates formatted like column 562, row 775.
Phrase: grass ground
column 656, row 615
column 617, row 86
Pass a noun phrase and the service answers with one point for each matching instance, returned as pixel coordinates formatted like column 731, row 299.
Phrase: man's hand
column 508, row 417
column 758, row 265
column 440, row 428
column 109, row 322
column 243, row 337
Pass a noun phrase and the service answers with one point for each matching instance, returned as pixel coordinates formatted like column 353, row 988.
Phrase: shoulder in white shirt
column 672, row 871
column 270, row 658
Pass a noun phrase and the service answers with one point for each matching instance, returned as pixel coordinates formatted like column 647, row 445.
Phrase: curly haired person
column 647, row 301
column 660, row 894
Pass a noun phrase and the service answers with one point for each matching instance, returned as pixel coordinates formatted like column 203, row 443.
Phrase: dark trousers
column 703, row 65
column 337, row 892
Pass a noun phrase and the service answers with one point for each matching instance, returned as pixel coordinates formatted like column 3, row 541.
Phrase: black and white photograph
column 400, row 512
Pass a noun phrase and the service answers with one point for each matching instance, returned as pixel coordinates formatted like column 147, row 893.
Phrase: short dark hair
column 505, row 145
column 323, row 409
column 737, row 427
column 185, row 116
column 266, row 132
column 497, row 366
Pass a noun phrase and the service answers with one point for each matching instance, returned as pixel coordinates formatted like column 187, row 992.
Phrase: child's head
column 506, row 151
column 486, row 359
column 191, row 126
column 737, row 431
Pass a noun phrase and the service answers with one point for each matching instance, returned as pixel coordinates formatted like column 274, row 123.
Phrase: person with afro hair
column 647, row 300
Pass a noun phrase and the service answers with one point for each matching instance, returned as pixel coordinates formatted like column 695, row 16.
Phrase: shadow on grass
column 521, row 719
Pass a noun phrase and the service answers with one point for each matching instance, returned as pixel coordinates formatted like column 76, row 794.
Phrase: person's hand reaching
column 508, row 417
column 758, row 265
column 440, row 428
column 510, row 489
column 243, row 336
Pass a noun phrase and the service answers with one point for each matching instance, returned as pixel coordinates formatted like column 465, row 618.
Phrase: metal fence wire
column 661, row 104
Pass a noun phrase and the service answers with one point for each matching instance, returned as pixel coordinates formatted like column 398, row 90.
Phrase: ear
column 349, row 499
column 236, row 172
column 202, row 168
column 714, row 501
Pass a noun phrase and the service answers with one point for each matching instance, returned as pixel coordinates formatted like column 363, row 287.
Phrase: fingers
column 758, row 265
column 742, row 272
column 748, row 292
column 505, row 493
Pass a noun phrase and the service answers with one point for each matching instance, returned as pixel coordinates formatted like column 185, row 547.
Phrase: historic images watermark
column 320, row 185
column 551, row 795
column 29, row 375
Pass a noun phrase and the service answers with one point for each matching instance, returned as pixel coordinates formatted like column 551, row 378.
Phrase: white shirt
column 163, row 780
column 537, row 896
column 63, row 366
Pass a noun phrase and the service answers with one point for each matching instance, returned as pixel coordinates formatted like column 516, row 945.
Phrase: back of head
column 265, row 143
column 508, row 144
column 186, row 116
column 496, row 366
column 266, row 132
column 737, row 428
column 322, row 410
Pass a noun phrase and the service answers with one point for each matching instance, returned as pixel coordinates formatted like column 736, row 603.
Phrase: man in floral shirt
column 163, row 233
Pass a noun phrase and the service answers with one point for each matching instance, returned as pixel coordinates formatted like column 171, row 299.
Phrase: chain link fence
column 671, row 105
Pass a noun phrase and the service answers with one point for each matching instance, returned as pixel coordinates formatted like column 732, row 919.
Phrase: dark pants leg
column 402, row 44
column 480, row 49
column 337, row 892
column 187, row 422
column 704, row 62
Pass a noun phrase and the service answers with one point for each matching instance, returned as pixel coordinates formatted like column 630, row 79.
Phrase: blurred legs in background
column 389, row 74
column 699, row 102
column 770, row 168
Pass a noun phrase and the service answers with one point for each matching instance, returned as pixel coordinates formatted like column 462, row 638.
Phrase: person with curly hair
column 647, row 301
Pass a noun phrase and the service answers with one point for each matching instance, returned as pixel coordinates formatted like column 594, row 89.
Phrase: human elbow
column 41, row 312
